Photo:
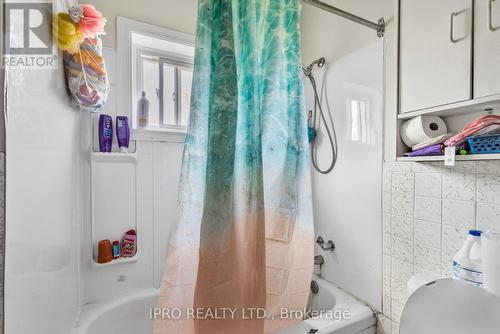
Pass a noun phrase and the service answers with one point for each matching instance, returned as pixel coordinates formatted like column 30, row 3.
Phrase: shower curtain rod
column 379, row 27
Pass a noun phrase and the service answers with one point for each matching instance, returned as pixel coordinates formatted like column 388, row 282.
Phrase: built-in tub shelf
column 482, row 104
column 468, row 157
column 116, row 156
column 120, row 260
column 113, row 200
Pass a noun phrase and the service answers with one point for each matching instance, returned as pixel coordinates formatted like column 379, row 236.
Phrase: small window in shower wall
column 358, row 116
column 162, row 67
column 167, row 84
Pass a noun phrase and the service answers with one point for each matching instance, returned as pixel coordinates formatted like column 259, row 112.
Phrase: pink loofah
column 92, row 23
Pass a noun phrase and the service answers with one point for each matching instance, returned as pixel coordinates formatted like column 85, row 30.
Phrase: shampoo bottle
column 143, row 111
column 105, row 133
column 122, row 133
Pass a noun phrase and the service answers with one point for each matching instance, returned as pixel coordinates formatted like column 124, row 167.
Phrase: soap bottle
column 122, row 133
column 467, row 264
column 105, row 133
column 143, row 111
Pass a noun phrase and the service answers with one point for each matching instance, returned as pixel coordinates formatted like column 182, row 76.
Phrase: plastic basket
column 484, row 144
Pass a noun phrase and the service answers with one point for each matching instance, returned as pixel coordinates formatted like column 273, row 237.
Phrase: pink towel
column 482, row 124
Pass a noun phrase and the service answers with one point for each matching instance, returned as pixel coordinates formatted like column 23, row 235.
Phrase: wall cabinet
column 435, row 53
column 486, row 48
column 449, row 63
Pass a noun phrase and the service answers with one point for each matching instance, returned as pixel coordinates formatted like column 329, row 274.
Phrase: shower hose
column 316, row 118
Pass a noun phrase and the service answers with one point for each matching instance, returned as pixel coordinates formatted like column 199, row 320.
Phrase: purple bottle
column 122, row 133
column 105, row 133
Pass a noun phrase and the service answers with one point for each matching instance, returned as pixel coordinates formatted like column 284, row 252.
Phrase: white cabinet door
column 487, row 48
column 435, row 53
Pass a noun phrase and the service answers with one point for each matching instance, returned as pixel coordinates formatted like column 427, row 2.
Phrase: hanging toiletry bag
column 78, row 34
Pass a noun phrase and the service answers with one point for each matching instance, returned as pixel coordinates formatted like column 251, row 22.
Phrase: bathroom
column 380, row 224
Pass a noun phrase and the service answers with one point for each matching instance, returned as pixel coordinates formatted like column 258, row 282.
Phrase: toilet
column 450, row 306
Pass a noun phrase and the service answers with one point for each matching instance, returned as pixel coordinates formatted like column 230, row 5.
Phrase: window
column 159, row 62
column 359, row 121
column 165, row 75
column 167, row 85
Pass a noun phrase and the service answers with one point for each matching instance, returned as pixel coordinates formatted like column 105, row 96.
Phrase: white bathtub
column 130, row 315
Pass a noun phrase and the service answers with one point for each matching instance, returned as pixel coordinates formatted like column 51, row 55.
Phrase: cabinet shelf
column 469, row 157
column 487, row 103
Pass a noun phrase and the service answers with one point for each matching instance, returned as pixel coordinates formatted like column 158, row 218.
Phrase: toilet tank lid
column 450, row 306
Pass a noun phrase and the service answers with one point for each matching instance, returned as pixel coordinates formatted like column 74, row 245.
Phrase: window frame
column 125, row 81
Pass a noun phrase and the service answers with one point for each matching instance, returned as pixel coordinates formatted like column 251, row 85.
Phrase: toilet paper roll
column 490, row 253
column 422, row 128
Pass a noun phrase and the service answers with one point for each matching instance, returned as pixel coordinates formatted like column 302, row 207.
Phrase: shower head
column 319, row 62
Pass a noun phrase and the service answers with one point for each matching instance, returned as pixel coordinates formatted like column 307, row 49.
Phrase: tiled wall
column 428, row 210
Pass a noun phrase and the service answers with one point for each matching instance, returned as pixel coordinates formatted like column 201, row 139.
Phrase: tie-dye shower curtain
column 245, row 233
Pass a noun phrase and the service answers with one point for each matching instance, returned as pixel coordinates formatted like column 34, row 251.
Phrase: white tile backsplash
column 459, row 186
column 402, row 182
column 488, row 216
column 429, row 209
column 428, row 258
column 459, row 213
column 402, row 227
column 428, row 184
column 427, row 233
column 402, row 250
column 428, row 167
column 396, row 310
column 453, row 237
column 488, row 167
column 463, row 167
column 402, row 205
column 487, row 188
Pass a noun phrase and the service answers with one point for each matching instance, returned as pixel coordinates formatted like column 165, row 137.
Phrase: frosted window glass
column 185, row 96
column 150, row 85
column 169, row 103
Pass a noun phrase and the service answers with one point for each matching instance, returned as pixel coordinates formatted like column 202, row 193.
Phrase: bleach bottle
column 467, row 264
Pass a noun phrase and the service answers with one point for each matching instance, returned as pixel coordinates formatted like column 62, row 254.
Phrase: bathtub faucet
column 328, row 246
column 319, row 260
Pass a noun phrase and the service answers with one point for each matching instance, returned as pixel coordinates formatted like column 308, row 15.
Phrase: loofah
column 66, row 32
column 92, row 23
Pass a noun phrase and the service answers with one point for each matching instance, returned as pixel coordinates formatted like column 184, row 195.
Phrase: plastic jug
column 467, row 264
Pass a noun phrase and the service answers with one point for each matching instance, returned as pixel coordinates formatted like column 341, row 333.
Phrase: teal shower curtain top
column 245, row 233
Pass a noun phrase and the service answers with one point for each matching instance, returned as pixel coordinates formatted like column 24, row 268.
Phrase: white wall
column 179, row 15
column 331, row 36
column 347, row 201
column 42, row 208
